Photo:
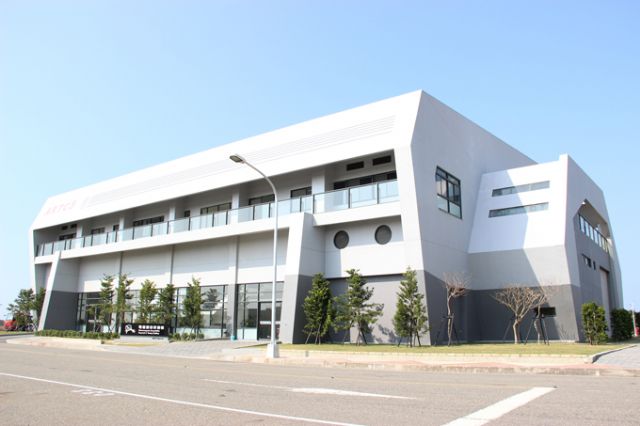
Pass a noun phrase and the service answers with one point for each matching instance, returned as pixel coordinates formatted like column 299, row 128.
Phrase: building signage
column 134, row 329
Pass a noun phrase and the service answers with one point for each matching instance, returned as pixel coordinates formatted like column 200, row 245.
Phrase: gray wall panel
column 63, row 311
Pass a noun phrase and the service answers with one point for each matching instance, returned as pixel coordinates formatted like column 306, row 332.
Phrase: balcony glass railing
column 356, row 196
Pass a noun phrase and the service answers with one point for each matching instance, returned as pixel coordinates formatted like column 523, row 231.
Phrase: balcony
column 356, row 196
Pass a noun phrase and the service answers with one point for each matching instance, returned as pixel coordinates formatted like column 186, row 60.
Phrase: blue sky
column 95, row 89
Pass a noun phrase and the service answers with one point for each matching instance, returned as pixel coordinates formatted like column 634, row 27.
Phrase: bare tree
column 457, row 285
column 520, row 300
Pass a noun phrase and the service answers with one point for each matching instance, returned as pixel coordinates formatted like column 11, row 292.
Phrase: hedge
column 77, row 334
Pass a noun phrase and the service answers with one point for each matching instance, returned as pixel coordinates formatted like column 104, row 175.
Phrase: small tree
column 192, row 306
column 621, row 325
column 21, row 308
column 318, row 309
column 520, row 300
column 456, row 285
column 594, row 323
column 354, row 309
column 165, row 312
column 410, row 319
column 105, row 306
column 148, row 293
column 123, row 296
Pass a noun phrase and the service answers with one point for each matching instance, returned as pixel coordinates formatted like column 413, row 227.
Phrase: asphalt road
column 44, row 386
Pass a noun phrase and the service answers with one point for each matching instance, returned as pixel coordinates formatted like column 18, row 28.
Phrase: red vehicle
column 10, row 325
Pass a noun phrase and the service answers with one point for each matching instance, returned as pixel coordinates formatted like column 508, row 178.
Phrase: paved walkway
column 626, row 358
column 202, row 349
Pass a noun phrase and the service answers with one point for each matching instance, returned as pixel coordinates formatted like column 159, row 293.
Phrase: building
column 404, row 182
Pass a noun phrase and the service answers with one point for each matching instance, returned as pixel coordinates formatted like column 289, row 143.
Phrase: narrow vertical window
column 448, row 193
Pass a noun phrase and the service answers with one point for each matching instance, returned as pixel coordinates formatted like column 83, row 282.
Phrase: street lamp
column 272, row 347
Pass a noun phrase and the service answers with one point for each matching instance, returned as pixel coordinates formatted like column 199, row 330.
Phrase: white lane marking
column 317, row 391
column 92, row 392
column 500, row 408
column 180, row 402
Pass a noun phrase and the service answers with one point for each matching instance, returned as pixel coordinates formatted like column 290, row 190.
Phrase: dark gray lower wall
column 295, row 316
column 488, row 320
column 385, row 289
column 62, row 311
column 478, row 316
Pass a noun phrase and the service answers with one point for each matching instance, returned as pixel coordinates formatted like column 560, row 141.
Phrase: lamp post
column 272, row 347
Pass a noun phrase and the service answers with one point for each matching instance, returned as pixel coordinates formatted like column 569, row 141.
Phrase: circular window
column 341, row 239
column 383, row 234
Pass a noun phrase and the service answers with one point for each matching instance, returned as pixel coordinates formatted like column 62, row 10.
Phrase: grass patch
column 13, row 333
column 467, row 349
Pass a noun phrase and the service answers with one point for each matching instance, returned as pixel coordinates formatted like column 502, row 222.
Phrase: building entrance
column 264, row 325
column 254, row 310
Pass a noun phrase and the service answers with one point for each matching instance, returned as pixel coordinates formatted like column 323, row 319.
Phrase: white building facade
column 404, row 182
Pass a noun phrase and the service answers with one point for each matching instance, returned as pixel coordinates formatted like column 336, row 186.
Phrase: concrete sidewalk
column 624, row 362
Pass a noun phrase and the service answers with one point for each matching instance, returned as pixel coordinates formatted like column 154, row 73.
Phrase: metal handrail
column 230, row 216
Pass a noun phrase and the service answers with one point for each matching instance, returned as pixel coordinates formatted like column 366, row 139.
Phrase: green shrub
column 621, row 324
column 77, row 334
column 594, row 323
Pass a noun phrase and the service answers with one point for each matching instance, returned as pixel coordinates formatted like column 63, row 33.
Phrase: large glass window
column 254, row 310
column 214, row 307
column 261, row 200
column 88, row 313
column 365, row 180
column 448, row 192
column 214, row 209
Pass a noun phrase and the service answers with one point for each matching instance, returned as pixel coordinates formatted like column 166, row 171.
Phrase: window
column 261, row 200
column 448, row 191
column 587, row 260
column 187, row 213
column 355, row 166
column 519, row 210
column 148, row 221
column 593, row 233
column 381, row 160
column 301, row 192
column 66, row 237
column 116, row 227
column 341, row 240
column 214, row 209
column 97, row 231
column 383, row 234
column 380, row 177
column 520, row 188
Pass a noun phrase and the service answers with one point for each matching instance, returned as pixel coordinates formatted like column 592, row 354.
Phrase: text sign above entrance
column 133, row 329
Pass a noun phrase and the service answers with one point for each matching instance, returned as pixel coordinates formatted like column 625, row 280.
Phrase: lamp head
column 236, row 158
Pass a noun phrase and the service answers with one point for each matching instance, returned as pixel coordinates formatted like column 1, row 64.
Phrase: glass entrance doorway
column 264, row 326
column 253, row 310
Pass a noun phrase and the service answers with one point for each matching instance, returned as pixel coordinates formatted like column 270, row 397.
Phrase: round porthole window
column 383, row 234
column 341, row 239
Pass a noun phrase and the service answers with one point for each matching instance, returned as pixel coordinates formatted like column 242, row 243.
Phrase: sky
column 91, row 90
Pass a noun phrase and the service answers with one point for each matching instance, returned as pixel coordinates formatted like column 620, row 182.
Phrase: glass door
column 264, row 324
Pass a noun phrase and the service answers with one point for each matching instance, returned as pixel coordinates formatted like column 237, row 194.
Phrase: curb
column 575, row 370
column 597, row 356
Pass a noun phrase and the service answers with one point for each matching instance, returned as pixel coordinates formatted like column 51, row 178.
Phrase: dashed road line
column 500, row 408
column 315, row 391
